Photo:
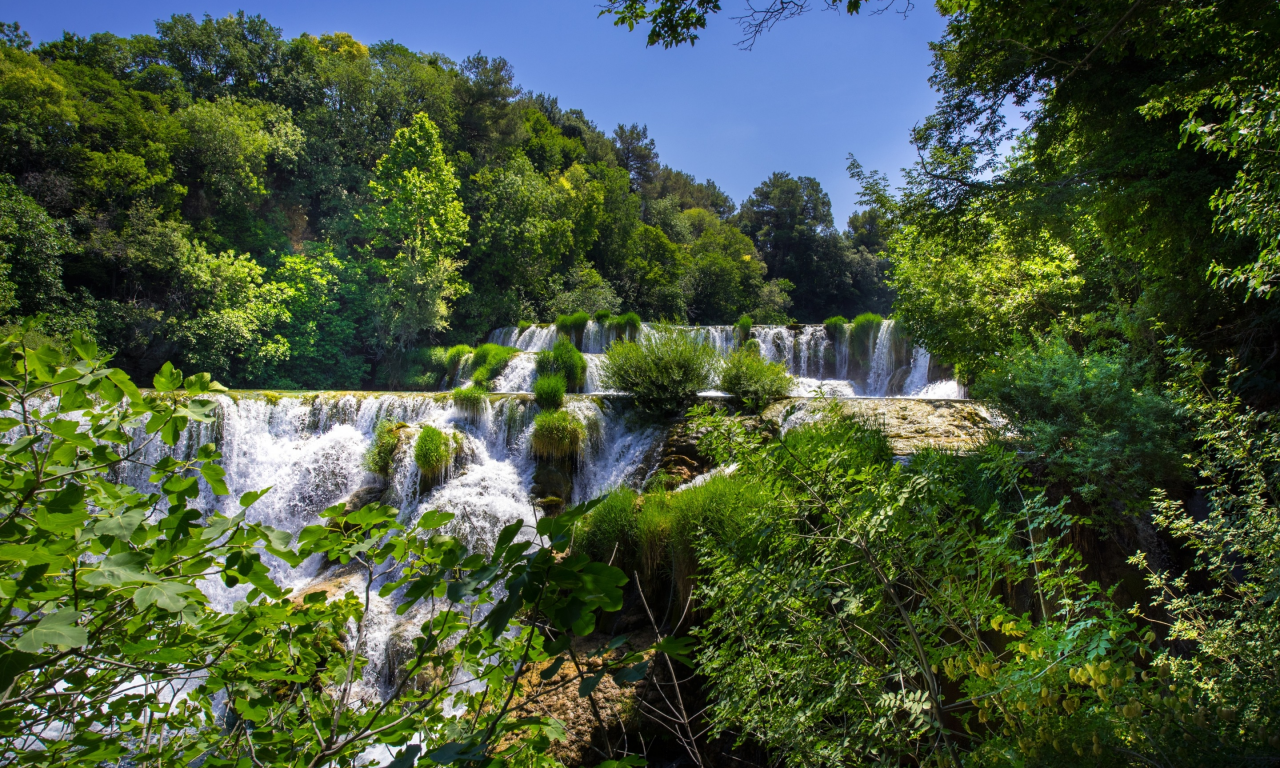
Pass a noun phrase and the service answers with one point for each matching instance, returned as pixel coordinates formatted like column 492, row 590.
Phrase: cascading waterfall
column 310, row 451
column 818, row 362
column 881, row 362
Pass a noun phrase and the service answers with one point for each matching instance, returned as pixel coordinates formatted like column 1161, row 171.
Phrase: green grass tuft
column 523, row 325
column 625, row 326
column 564, row 359
column 381, row 453
column 455, row 356
column 602, row 316
column 548, row 391
column 838, row 320
column 489, row 361
column 557, row 435
column 742, row 329
column 471, row 401
column 434, row 450
column 573, row 325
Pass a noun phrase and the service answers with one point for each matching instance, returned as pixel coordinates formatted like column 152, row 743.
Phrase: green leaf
column 407, row 757
column 118, row 570
column 120, row 526
column 12, row 664
column 84, row 346
column 677, row 648
column 455, row 751
column 213, row 475
column 55, row 629
column 166, row 594
column 247, row 499
column 168, row 379
column 589, row 683
column 126, row 385
column 632, row 674
column 198, row 384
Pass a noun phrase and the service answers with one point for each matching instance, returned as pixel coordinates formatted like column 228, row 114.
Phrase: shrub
column 418, row 369
column 665, row 369
column 753, row 381
column 565, row 359
column 471, row 401
column 381, row 453
column 557, row 435
column 488, row 362
column 602, row 317
column 434, row 450
column 742, row 329
column 523, row 325
column 834, row 323
column 625, row 326
column 548, row 391
column 572, row 325
column 1089, row 419
column 862, row 334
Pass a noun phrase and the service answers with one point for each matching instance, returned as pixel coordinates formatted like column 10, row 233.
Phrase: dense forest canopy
column 258, row 207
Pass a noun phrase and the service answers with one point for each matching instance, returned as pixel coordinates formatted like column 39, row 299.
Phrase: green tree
column 421, row 218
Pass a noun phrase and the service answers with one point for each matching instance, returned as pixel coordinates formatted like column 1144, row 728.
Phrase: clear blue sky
column 812, row 90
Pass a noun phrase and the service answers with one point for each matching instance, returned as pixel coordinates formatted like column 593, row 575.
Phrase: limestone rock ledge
column 911, row 424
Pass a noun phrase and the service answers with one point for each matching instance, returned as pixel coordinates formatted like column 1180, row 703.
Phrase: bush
column 471, row 401
column 665, row 370
column 381, row 453
column 602, row 317
column 419, row 369
column 573, row 325
column 625, row 326
column 612, row 530
column 862, row 334
column 742, row 329
column 753, row 381
column 557, row 435
column 548, row 391
column 434, row 450
column 565, row 359
column 834, row 323
column 488, row 362
column 523, row 325
column 455, row 356
column 1089, row 419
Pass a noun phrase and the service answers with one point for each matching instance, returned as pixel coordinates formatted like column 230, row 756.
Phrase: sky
column 811, row 91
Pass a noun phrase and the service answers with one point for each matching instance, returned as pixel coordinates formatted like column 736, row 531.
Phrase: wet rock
column 910, row 423
column 551, row 482
column 681, row 460
column 363, row 496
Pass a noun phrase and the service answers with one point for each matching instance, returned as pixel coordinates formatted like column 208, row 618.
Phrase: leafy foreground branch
column 110, row 649
column 933, row 613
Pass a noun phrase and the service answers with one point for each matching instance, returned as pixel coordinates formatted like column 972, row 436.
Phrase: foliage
column 742, row 328
column 833, row 322
column 420, row 217
column 602, row 316
column 753, row 381
column 557, row 435
column 625, row 326
column 1224, row 606
column 381, row 453
column 433, row 450
column 456, row 356
column 664, row 370
column 548, row 391
column 471, row 401
column 573, row 325
column 489, row 361
column 611, row 533
column 564, row 359
column 862, row 335
column 934, row 599
column 1091, row 421
column 108, row 623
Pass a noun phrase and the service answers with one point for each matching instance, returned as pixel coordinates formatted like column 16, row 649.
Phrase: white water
column 815, row 360
column 310, row 452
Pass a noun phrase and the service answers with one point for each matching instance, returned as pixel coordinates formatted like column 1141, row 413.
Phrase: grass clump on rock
column 602, row 316
column 834, row 323
column 381, row 453
column 573, row 325
column 625, row 326
column 557, row 435
column 753, row 381
column 434, row 450
column 665, row 370
column 742, row 329
column 548, row 391
column 489, row 361
column 565, row 359
column 471, row 400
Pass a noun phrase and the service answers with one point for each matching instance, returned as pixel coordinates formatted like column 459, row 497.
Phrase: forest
column 222, row 197
column 664, row 544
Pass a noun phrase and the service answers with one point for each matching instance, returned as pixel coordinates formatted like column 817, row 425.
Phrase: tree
column 422, row 220
column 637, row 153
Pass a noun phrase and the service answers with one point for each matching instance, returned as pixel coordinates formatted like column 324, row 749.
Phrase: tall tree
column 423, row 225
column 637, row 153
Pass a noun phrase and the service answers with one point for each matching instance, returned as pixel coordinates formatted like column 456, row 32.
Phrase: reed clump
column 471, row 401
column 489, row 361
column 665, row 370
column 548, row 391
column 434, row 451
column 381, row 453
column 565, row 359
column 557, row 435
column 753, row 381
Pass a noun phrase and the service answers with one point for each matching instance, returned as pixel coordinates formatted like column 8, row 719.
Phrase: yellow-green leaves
column 57, row 629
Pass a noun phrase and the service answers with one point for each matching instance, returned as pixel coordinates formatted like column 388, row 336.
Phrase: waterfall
column 592, row 385
column 777, row 344
column 881, row 362
column 518, row 375
column 918, row 378
column 842, row 351
column 536, row 338
column 812, row 346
